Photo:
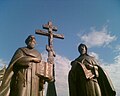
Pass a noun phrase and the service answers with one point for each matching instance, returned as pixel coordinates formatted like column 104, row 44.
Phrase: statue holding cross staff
column 51, row 91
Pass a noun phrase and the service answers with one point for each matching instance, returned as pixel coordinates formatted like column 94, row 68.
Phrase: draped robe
column 84, row 81
column 20, row 78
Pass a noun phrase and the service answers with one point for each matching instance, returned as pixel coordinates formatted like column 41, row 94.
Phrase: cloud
column 95, row 55
column 2, row 63
column 62, row 66
column 97, row 38
column 113, row 71
column 117, row 48
column 117, row 59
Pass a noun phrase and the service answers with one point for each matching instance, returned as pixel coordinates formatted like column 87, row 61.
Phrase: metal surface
column 51, row 90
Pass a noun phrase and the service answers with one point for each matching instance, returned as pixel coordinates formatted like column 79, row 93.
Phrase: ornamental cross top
column 50, row 35
column 50, row 27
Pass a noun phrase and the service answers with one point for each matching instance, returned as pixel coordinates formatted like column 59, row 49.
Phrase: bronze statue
column 87, row 78
column 2, row 72
column 20, row 78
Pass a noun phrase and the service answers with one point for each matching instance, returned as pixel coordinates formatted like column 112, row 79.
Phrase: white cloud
column 95, row 55
column 117, row 59
column 2, row 63
column 97, row 38
column 62, row 66
column 113, row 71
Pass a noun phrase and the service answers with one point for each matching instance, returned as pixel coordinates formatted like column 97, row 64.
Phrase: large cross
column 51, row 91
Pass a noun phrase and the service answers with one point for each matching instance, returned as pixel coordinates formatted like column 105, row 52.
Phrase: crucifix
column 51, row 91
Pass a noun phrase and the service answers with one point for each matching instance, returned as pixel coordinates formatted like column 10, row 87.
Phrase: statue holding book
column 87, row 78
column 25, row 74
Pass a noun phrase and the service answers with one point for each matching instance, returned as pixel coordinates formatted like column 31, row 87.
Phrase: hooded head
column 82, row 48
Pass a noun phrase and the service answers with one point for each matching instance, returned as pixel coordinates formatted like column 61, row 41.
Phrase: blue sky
column 93, row 22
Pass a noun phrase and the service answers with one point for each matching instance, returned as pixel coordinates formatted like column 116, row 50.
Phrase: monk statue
column 87, row 78
column 20, row 78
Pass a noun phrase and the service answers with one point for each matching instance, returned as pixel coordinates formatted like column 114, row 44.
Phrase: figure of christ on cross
column 51, row 90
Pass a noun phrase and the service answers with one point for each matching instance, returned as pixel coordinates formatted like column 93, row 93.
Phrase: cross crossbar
column 40, row 32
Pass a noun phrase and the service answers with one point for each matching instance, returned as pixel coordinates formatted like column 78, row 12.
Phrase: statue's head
column 30, row 41
column 82, row 48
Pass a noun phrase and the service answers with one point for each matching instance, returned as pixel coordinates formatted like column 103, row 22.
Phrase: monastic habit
column 87, row 78
column 20, row 78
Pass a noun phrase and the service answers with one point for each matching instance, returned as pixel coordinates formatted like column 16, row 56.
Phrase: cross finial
column 50, row 27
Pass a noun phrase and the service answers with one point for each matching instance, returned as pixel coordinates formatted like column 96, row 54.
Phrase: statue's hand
column 89, row 66
column 36, row 60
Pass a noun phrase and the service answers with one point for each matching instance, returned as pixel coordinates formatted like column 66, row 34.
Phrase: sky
column 92, row 22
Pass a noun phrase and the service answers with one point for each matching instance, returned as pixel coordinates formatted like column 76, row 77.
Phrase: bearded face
column 30, row 41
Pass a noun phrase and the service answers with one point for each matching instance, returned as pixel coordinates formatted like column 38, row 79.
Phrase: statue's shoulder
column 75, row 63
column 19, row 51
column 27, row 50
column 31, row 52
column 89, row 57
column 23, row 48
column 94, row 60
